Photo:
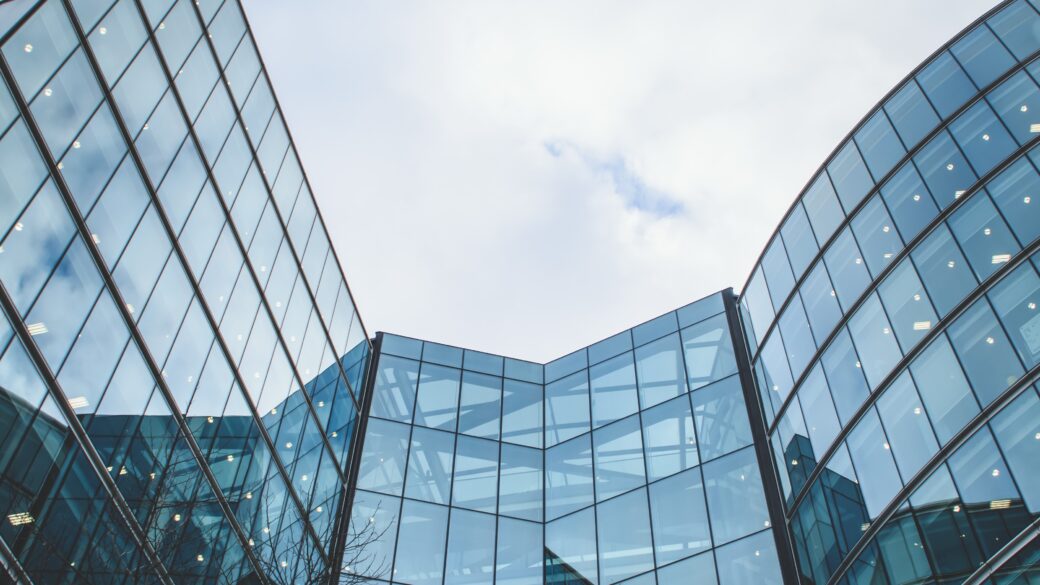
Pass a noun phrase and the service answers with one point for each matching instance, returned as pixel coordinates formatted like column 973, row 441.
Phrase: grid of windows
column 179, row 352
column 891, row 316
column 629, row 460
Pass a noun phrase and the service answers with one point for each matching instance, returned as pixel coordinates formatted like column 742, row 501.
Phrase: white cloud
column 481, row 164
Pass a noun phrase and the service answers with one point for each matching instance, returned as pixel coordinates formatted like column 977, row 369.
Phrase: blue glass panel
column 1013, row 191
column 907, row 305
column 420, row 546
column 444, row 355
column 39, row 46
column 980, row 472
column 374, row 521
column 878, row 239
column 911, row 113
column 821, row 420
column 623, row 530
column 1015, row 300
column 654, row 329
column 875, row 344
column 614, row 393
column 872, row 456
column 982, row 137
column 669, row 438
column 756, row 298
column 850, row 177
column 944, row 389
column 429, row 465
column 777, row 271
column 845, row 376
column 983, row 235
column 944, row 169
column 383, row 459
column 909, row 201
column 521, row 370
column 943, row 269
column 945, row 84
column 879, row 144
column 566, row 408
column 698, row 569
column 402, row 346
column 520, row 486
column 610, row 347
column 618, row 453
column 394, row 392
column 480, row 405
column 1015, row 431
column 437, row 402
column 471, row 548
column 568, row 364
column 822, row 207
column 1018, row 26
column 483, row 362
column 721, row 418
column 572, row 540
column 798, row 339
column 984, row 350
column 680, row 516
column 520, row 553
column 799, row 240
column 659, row 370
column 568, row 477
column 708, row 351
column 847, row 270
column 775, row 369
column 1013, row 101
column 982, row 55
column 476, row 474
column 752, row 560
column 736, row 503
column 700, row 310
column 522, row 413
column 821, row 302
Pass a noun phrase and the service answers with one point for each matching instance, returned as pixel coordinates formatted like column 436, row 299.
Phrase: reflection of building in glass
column 631, row 455
column 182, row 365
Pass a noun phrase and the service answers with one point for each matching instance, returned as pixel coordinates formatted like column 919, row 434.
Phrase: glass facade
column 180, row 358
column 188, row 395
column 629, row 460
column 890, row 324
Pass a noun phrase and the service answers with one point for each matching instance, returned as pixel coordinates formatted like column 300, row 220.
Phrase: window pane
column 850, row 177
column 1015, row 428
column 879, row 144
column 471, row 548
column 821, row 205
column 1015, row 300
column 721, row 418
column 566, row 408
column 571, row 540
column 872, row 456
column 708, row 351
column 798, row 339
column 522, row 413
column 845, row 265
column 943, row 270
column 906, row 426
column 909, row 201
column 845, row 376
column 944, row 389
column 680, row 517
column 659, row 368
column 623, row 527
column 982, row 137
column 876, row 235
column 668, row 437
column 382, row 461
column 420, row 547
column 818, row 408
column 438, row 397
column 394, row 394
column 774, row 368
column 1013, row 101
column 944, row 170
column 480, row 405
column 799, row 240
column 984, row 351
column 374, row 521
column 476, row 474
column 875, row 344
column 752, row 560
column 982, row 55
column 821, row 302
column 907, row 305
column 568, row 477
column 735, row 500
column 520, row 553
column 911, row 114
column 618, row 451
column 429, row 465
column 520, row 486
column 613, row 389
column 777, row 271
column 945, row 84
column 698, row 569
column 1013, row 191
column 759, row 306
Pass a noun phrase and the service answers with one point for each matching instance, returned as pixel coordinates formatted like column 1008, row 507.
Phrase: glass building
column 188, row 395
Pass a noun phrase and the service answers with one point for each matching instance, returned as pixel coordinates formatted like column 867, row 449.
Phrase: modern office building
column 187, row 393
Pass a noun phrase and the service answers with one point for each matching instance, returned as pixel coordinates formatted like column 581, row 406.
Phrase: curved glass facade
column 890, row 324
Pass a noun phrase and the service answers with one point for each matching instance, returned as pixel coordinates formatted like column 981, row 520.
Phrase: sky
column 528, row 177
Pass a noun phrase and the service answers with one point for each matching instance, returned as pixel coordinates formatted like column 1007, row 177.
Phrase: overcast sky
column 528, row 177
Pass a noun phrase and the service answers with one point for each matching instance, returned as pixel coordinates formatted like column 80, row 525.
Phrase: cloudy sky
column 528, row 177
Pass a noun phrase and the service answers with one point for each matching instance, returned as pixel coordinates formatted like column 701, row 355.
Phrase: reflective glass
column 821, row 302
column 944, row 389
column 906, row 426
column 911, row 113
column 480, row 405
column 1015, row 300
column 821, row 205
column 623, row 530
column 660, row 371
column 383, row 459
column 1015, row 430
column 437, row 403
column 522, row 413
column 909, row 201
column 874, row 341
column 1013, row 191
column 799, row 240
column 845, row 376
column 721, row 418
column 471, row 548
column 907, row 305
column 698, row 569
column 395, row 386
column 568, row 477
column 872, row 456
column 879, row 144
column 1017, row 27
column 987, row 356
column 618, row 452
column 985, row 238
column 476, row 474
column 430, row 460
column 566, row 408
column 680, row 517
column 945, row 84
column 798, row 339
column 520, row 484
column 572, row 540
column 613, row 385
column 520, row 553
column 982, row 137
column 420, row 546
column 708, row 351
column 752, row 560
column 1012, row 101
column 850, row 176
column 735, row 500
column 847, row 270
column 982, row 55
column 777, row 271
column 877, row 236
column 943, row 269
column 821, row 420
column 669, row 438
